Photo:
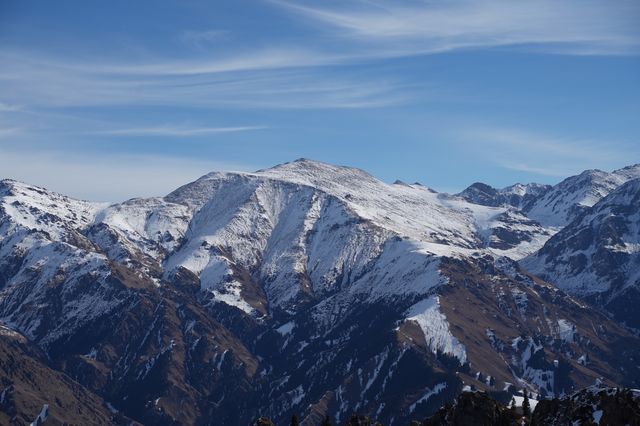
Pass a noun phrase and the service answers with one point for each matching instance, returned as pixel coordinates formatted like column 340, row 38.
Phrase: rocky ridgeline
column 591, row 406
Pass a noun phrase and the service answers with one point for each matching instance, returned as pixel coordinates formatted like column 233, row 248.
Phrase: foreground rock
column 473, row 409
column 594, row 405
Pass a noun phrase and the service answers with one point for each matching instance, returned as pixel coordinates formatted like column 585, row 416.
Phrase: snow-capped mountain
column 553, row 206
column 299, row 226
column 520, row 196
column 597, row 256
column 305, row 288
column 568, row 199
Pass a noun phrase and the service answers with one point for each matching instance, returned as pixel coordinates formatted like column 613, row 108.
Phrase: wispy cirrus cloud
column 4, row 107
column 178, row 131
column 203, row 38
column 268, row 58
column 313, row 71
column 543, row 154
column 552, row 171
column 282, row 80
column 591, row 27
column 6, row 132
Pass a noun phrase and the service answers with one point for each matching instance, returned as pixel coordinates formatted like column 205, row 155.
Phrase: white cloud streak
column 595, row 27
column 257, row 60
column 204, row 38
column 174, row 131
column 248, row 83
column 9, row 107
column 297, row 76
column 543, row 154
column 557, row 171
column 8, row 132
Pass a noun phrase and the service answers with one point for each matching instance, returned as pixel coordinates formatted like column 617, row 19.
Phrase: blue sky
column 110, row 100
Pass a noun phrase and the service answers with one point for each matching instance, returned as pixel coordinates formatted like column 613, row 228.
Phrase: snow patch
column 286, row 328
column 597, row 415
column 435, row 327
column 42, row 416
column 519, row 400
column 566, row 330
column 428, row 394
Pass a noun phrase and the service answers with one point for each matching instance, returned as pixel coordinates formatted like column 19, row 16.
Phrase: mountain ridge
column 270, row 283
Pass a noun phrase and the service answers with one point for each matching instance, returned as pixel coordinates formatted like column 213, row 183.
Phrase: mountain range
column 315, row 290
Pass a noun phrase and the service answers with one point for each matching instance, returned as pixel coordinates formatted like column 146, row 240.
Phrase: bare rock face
column 304, row 289
column 470, row 409
column 31, row 392
column 519, row 196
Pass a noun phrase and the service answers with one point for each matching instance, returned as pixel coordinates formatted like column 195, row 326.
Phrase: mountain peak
column 628, row 172
column 627, row 194
column 305, row 160
column 307, row 164
column 593, row 174
column 10, row 183
column 483, row 187
column 318, row 174
column 480, row 193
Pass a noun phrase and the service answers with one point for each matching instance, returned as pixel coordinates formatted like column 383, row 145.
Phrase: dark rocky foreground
column 590, row 406
column 604, row 406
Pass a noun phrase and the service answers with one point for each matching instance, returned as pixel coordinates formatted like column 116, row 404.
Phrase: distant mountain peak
column 517, row 195
column 593, row 256
column 628, row 172
column 483, row 187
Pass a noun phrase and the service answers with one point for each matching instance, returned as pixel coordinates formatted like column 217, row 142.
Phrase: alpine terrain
column 314, row 290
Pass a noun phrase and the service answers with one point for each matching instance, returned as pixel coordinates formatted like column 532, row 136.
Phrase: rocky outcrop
column 472, row 409
column 592, row 406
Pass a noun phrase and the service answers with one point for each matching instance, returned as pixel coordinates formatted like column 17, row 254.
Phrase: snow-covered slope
column 598, row 254
column 553, row 206
column 288, row 235
column 226, row 226
column 566, row 200
column 152, row 225
column 299, row 226
column 34, row 208
column 570, row 197
column 260, row 241
column 628, row 173
column 53, row 280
